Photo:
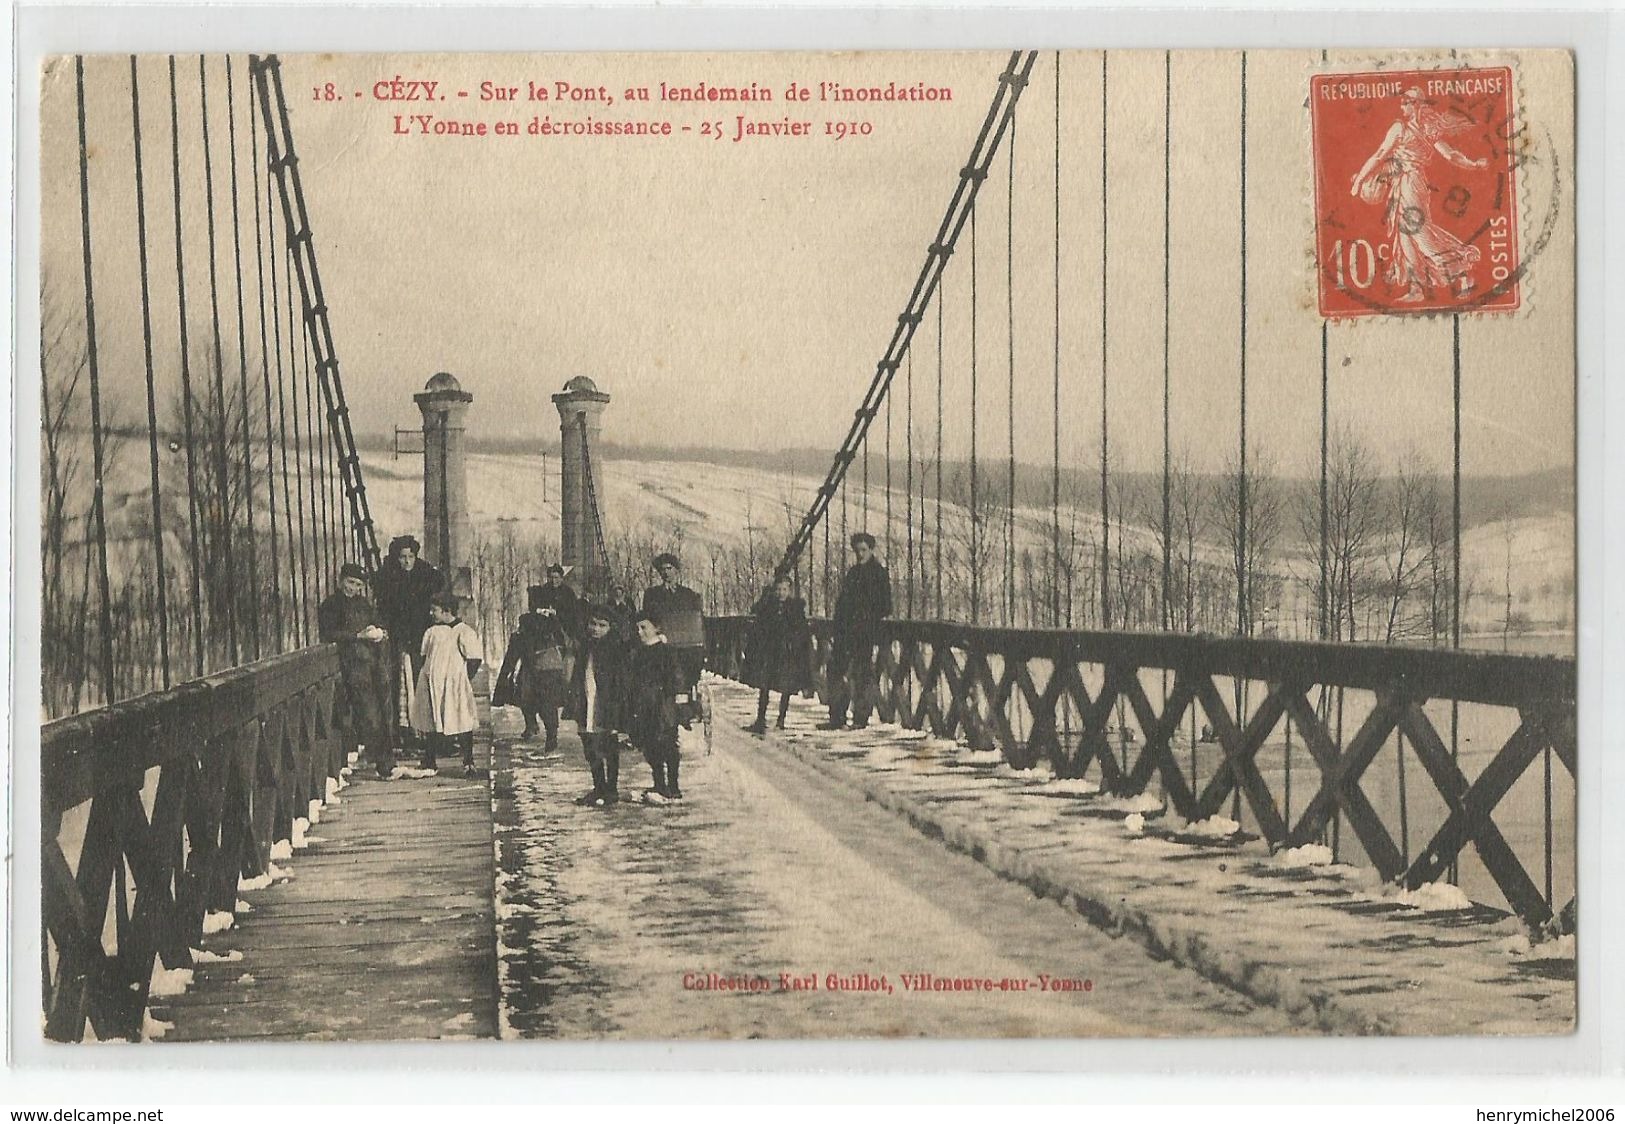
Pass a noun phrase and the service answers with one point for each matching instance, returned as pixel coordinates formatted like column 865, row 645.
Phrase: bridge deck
column 809, row 854
column 383, row 930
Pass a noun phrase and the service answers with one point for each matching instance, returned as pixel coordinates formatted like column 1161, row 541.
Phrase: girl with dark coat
column 777, row 659
column 656, row 684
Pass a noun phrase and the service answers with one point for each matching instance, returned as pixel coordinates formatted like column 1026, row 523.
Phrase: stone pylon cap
column 442, row 389
column 579, row 391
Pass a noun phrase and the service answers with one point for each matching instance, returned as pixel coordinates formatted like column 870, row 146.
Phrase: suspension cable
column 265, row 370
column 242, row 368
column 941, row 299
column 890, row 559
column 298, row 455
column 1010, row 393
column 908, row 484
column 296, row 567
column 152, row 394
column 1055, row 416
column 1105, row 499
column 1244, row 561
column 198, row 635
column 109, row 693
column 222, row 517
column 1167, row 392
column 975, row 504
column 319, row 546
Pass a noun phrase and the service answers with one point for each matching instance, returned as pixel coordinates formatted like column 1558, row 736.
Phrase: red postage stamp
column 1415, row 192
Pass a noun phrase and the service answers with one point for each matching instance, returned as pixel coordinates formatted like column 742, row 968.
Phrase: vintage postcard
column 808, row 545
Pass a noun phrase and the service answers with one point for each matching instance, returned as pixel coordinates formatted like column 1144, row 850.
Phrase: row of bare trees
column 1230, row 558
column 231, row 586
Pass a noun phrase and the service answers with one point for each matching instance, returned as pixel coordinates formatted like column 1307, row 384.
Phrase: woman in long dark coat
column 404, row 586
column 777, row 658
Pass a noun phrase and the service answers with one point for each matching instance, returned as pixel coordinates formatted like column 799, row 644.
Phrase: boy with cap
column 655, row 689
column 596, row 689
column 361, row 710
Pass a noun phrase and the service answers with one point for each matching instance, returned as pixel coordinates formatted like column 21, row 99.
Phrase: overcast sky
column 738, row 294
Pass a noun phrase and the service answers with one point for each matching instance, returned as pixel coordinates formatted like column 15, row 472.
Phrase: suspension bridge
column 1118, row 782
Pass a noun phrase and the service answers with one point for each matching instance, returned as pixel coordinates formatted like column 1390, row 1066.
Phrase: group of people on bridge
column 625, row 673
column 407, row 661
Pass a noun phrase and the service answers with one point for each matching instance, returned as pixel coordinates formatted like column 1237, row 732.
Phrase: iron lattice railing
column 225, row 764
column 1115, row 705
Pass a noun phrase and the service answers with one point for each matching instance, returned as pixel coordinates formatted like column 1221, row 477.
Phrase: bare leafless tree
column 1249, row 518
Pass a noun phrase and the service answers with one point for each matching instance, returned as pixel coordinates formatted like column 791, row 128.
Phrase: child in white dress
column 443, row 709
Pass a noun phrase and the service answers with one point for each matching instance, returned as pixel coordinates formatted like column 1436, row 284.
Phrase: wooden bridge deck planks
column 386, row 929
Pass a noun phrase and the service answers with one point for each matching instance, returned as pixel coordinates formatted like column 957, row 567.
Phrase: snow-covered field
column 696, row 505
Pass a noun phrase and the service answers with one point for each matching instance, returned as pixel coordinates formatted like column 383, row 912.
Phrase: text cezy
column 403, row 89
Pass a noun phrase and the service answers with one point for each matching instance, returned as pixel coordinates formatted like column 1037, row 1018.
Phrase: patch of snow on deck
column 1078, row 786
column 1310, row 854
column 204, row 956
column 169, row 981
column 217, row 922
column 1434, row 897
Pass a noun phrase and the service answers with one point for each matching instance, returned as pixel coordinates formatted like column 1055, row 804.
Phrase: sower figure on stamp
column 361, row 711
column 443, row 709
column 597, row 691
column 656, row 687
column 533, row 674
column 678, row 613
column 1421, row 254
column 778, row 656
column 404, row 585
column 864, row 601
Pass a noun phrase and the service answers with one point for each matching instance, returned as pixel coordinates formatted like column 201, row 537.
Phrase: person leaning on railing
column 361, row 711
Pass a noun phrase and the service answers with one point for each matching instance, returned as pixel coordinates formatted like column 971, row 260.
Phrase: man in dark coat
column 864, row 601
column 621, row 615
column 557, row 599
column 779, row 645
column 404, row 586
column 679, row 614
column 533, row 671
column 361, row 711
